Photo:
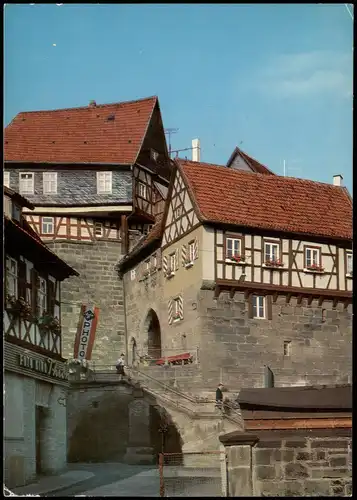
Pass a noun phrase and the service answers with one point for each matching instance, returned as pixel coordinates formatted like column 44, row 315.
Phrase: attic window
column 111, row 118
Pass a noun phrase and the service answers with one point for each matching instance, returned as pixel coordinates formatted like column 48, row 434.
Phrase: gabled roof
column 23, row 202
column 254, row 164
column 285, row 204
column 99, row 134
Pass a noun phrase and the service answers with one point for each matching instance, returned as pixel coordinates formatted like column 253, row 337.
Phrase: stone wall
column 97, row 283
column 303, row 466
column 237, row 348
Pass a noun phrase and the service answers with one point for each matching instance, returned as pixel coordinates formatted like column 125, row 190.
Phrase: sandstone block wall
column 303, row 466
column 237, row 348
column 98, row 283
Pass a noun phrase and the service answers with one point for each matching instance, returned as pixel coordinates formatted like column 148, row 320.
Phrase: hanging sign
column 85, row 336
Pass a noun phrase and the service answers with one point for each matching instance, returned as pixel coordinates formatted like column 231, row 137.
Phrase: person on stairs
column 219, row 397
column 120, row 366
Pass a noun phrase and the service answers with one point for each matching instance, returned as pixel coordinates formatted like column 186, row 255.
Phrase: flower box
column 273, row 263
column 188, row 263
column 49, row 323
column 237, row 259
column 169, row 273
column 314, row 268
column 19, row 307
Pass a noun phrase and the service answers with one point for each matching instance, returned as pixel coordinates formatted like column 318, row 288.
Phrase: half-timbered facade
column 97, row 177
column 34, row 366
column 255, row 271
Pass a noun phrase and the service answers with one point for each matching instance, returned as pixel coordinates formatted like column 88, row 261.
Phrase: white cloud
column 310, row 73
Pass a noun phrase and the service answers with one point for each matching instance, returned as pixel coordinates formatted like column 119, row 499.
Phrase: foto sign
column 87, row 326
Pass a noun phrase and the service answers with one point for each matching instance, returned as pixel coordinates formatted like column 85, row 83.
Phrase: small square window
column 104, row 182
column 47, row 226
column 177, row 310
column 7, row 179
column 177, row 212
column 258, row 306
column 271, row 252
column 287, row 348
column 142, row 190
column 312, row 258
column 233, row 248
column 49, row 182
column 26, row 183
column 132, row 274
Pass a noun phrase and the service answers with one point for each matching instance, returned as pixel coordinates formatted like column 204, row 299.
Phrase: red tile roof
column 254, row 164
column 80, row 135
column 269, row 202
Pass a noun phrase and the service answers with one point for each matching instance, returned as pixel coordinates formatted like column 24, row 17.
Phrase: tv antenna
column 285, row 167
column 169, row 132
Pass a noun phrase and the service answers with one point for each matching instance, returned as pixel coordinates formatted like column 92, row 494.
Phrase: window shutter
column 21, row 283
column 196, row 249
column 183, row 255
column 35, row 286
column 170, row 311
column 164, row 264
column 177, row 259
column 269, row 307
column 51, row 298
column 181, row 306
column 250, row 306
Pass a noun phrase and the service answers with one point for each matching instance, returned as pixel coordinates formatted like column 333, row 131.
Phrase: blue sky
column 274, row 79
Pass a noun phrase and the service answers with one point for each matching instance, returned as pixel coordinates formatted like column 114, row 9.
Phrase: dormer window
column 49, row 182
column 154, row 154
column 104, row 182
column 26, row 182
column 7, row 179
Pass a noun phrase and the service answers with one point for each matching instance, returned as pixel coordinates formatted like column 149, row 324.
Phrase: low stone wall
column 305, row 462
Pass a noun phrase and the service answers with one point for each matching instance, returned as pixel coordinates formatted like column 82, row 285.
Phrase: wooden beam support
column 232, row 292
column 321, row 300
column 217, row 291
column 288, row 298
column 246, row 294
column 309, row 300
column 335, row 302
column 275, row 297
column 299, row 299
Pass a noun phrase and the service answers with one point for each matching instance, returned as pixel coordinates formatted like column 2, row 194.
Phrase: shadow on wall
column 101, row 429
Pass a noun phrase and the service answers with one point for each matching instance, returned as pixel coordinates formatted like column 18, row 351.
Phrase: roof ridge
column 88, row 107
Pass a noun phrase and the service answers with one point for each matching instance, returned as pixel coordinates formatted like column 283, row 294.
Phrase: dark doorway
column 39, row 423
column 154, row 335
column 165, row 437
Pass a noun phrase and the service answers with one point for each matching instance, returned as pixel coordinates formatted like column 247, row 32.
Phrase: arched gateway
column 153, row 330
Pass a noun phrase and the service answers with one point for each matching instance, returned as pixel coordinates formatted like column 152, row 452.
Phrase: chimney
column 337, row 180
column 92, row 104
column 196, row 150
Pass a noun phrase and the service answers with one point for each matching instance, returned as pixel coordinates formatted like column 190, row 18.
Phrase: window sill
column 313, row 271
column 188, row 265
column 349, row 275
column 240, row 263
column 169, row 276
column 277, row 268
column 177, row 320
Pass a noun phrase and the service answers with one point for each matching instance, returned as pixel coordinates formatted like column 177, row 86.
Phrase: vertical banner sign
column 87, row 326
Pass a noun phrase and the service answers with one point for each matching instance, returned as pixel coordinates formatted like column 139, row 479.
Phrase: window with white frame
column 172, row 261
column 142, row 190
column 191, row 251
column 312, row 257
column 132, row 274
column 258, row 306
column 26, row 182
column 42, row 296
column 147, row 264
column 104, row 182
column 154, row 261
column 98, row 228
column 271, row 252
column 49, row 182
column 233, row 247
column 7, row 179
column 177, row 212
column 47, row 225
column 11, row 276
column 349, row 262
